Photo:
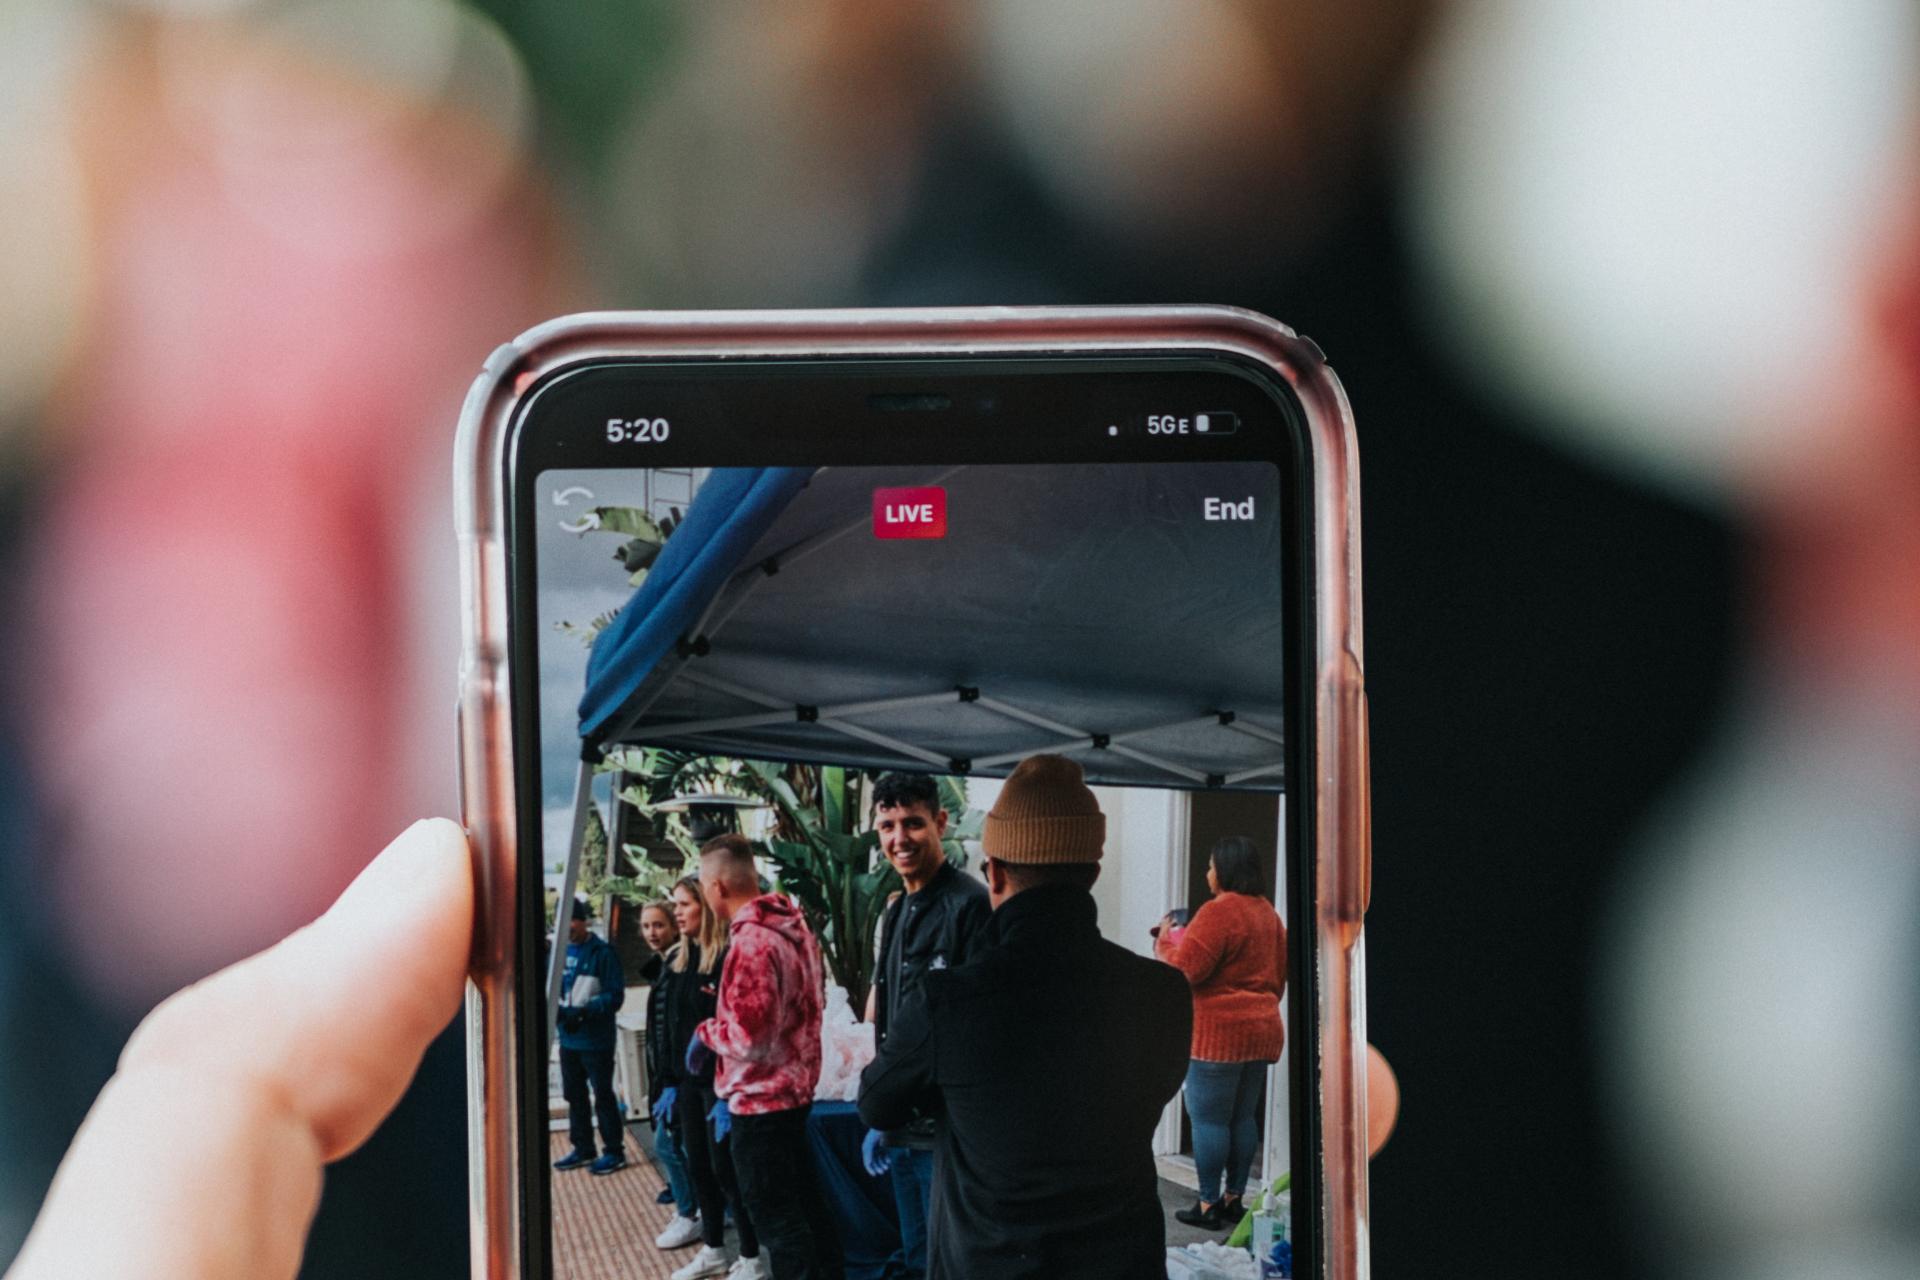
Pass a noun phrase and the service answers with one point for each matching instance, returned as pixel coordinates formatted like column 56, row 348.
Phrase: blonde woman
column 694, row 964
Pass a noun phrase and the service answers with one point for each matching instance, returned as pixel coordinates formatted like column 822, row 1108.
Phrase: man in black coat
column 1051, row 1054
column 938, row 923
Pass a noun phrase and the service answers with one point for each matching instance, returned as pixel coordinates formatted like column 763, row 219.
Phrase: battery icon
column 1215, row 424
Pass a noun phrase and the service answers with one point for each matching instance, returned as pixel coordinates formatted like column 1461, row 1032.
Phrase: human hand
column 664, row 1107
column 722, row 1118
column 1383, row 1101
column 203, row 1155
column 873, row 1153
column 699, row 1056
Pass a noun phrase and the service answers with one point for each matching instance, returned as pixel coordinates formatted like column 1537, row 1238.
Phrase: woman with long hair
column 1234, row 954
column 695, row 963
column 661, row 933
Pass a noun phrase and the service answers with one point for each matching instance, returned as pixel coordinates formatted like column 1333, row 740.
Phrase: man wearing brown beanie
column 1052, row 1054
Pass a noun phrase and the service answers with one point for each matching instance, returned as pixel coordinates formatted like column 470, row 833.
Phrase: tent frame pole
column 569, row 880
column 796, row 712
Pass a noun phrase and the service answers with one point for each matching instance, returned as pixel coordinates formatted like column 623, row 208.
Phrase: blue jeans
column 1223, row 1100
column 912, row 1175
column 673, row 1167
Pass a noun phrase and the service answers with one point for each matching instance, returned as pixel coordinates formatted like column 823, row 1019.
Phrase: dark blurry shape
column 1548, row 647
column 781, row 148
column 396, row 1207
column 1193, row 128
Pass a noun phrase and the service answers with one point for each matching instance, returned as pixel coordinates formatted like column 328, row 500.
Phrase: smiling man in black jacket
column 1051, row 1056
column 936, row 924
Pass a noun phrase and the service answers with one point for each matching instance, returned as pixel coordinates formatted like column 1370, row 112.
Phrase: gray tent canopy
column 1089, row 610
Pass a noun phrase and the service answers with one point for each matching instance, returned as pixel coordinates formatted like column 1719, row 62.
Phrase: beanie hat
column 1045, row 814
column 580, row 911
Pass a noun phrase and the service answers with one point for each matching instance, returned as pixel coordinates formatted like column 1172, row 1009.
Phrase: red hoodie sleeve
column 1201, row 948
column 746, row 1023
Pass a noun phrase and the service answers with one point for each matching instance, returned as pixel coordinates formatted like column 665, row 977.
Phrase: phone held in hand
column 912, row 662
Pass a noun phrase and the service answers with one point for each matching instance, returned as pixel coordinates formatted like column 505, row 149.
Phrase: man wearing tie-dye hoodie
column 765, row 1034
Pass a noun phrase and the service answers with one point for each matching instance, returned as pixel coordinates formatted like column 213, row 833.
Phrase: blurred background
column 1627, row 300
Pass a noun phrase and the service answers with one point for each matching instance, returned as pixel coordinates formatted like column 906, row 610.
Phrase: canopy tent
column 1091, row 610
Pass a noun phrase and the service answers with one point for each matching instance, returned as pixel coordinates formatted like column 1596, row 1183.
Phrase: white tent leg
column 563, row 906
column 1174, row 890
column 1277, row 1148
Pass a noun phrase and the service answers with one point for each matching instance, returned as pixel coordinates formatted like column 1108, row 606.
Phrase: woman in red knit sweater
column 1234, row 953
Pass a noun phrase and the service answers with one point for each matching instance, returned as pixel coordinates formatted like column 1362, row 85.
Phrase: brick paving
column 603, row 1228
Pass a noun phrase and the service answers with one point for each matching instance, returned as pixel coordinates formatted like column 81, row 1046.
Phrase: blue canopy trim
column 733, row 509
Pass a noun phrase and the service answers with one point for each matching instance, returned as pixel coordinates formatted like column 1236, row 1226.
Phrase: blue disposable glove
column 722, row 1119
column 873, row 1153
column 664, row 1108
column 699, row 1057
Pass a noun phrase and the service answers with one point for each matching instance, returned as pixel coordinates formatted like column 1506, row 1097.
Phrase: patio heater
column 710, row 813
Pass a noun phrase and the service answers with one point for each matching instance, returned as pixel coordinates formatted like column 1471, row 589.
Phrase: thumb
column 203, row 1155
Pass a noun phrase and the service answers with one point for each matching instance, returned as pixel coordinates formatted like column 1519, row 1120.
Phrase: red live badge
column 918, row 511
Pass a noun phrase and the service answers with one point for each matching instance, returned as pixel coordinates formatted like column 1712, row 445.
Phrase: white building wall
column 1142, row 876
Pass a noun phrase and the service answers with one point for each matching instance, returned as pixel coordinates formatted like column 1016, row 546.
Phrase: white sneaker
column 680, row 1233
column 710, row 1261
column 754, row 1268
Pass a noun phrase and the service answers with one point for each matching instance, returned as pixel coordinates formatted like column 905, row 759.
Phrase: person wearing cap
column 592, row 989
column 1051, row 1055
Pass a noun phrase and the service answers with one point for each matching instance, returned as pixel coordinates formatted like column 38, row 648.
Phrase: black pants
column 716, row 1184
column 578, row 1068
column 782, row 1189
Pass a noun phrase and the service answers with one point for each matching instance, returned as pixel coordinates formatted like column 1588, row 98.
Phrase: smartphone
column 728, row 572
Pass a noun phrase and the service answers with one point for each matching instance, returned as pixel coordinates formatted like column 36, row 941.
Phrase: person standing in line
column 936, row 924
column 592, row 989
column 661, row 933
column 1234, row 953
column 698, row 965
column 1052, row 1054
column 765, row 1033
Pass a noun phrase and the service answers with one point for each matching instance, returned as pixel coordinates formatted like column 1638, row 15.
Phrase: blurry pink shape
column 220, row 690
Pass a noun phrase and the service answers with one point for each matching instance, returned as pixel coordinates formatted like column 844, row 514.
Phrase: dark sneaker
column 574, row 1159
column 1205, row 1216
column 1232, row 1209
column 611, row 1162
column 665, row 1196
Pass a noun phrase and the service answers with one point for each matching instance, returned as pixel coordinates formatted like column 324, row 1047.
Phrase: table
column 863, row 1208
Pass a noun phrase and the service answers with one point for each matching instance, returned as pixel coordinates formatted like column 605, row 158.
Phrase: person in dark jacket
column 936, row 924
column 697, row 964
column 661, row 933
column 592, row 989
column 1051, row 1054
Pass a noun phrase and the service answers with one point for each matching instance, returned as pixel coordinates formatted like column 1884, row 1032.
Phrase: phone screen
column 821, row 613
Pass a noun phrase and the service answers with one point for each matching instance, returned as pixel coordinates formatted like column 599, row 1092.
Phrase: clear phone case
column 1342, row 854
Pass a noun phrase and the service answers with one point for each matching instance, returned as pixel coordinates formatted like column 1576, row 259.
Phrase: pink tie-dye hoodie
column 766, row 1028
